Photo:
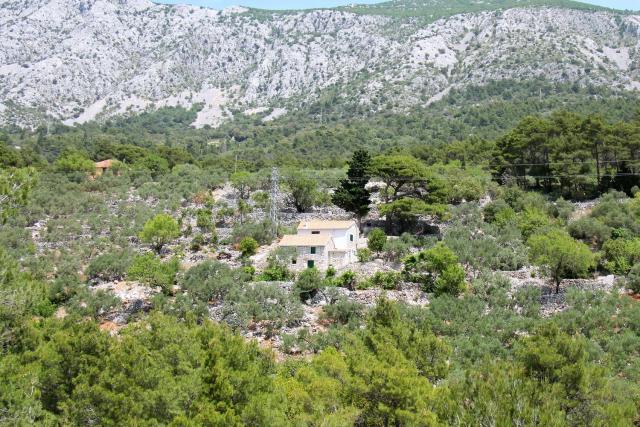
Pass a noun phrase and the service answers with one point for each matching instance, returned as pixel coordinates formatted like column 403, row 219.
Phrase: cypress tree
column 352, row 194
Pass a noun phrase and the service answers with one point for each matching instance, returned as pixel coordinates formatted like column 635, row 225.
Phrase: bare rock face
column 79, row 60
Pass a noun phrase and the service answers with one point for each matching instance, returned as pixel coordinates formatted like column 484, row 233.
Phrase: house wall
column 339, row 259
column 321, row 258
column 345, row 254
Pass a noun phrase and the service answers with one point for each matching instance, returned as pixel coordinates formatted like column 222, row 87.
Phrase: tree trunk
column 598, row 166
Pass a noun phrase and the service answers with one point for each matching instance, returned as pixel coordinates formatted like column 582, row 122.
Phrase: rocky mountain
column 79, row 60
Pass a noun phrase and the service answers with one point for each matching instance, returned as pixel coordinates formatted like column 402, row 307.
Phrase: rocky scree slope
column 80, row 60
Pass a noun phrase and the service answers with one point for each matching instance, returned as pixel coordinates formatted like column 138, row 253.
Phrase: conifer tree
column 352, row 195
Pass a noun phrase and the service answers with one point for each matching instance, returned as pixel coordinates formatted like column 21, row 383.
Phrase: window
column 294, row 261
column 313, row 250
column 351, row 237
column 315, row 232
column 311, row 263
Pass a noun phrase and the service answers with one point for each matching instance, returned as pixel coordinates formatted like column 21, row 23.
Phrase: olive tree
column 15, row 185
column 304, row 190
column 376, row 240
column 159, row 231
column 437, row 269
column 560, row 256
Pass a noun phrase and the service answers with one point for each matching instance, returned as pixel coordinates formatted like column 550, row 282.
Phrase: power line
column 424, row 180
column 567, row 163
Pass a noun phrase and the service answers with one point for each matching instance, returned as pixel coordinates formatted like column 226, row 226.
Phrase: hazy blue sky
column 300, row 4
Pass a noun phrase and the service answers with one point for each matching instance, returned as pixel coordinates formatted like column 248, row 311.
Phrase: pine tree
column 352, row 194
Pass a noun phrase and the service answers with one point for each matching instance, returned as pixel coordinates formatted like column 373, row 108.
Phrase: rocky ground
column 550, row 301
column 136, row 298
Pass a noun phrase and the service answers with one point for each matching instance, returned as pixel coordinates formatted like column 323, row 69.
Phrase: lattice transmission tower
column 273, row 207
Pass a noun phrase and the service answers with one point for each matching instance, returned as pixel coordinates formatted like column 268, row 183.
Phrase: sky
column 306, row 4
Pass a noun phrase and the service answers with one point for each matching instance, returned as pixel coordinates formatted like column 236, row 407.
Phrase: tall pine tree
column 352, row 194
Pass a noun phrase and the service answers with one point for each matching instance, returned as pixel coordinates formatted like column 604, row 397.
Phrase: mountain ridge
column 81, row 60
column 436, row 9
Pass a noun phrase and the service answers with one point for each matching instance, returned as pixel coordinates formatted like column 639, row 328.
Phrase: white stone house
column 321, row 244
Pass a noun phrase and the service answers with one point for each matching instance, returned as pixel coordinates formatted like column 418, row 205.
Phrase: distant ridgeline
column 241, row 66
column 436, row 9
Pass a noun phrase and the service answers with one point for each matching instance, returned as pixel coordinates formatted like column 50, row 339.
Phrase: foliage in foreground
column 164, row 371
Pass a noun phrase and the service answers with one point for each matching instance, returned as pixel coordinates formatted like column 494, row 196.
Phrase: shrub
column 376, row 240
column 487, row 247
column 204, row 219
column 249, row 271
column 211, row 280
column 396, row 249
column 343, row 311
column 347, row 280
column 261, row 232
column 386, row 280
column 633, row 279
column 450, row 281
column 94, row 304
column 561, row 209
column 364, row 255
column 364, row 284
column 224, row 212
column 331, row 272
column 411, row 241
column 620, row 255
column 437, row 269
column 498, row 212
column 308, row 284
column 74, row 161
column 261, row 199
column 110, row 266
column 149, row 269
column 560, row 256
column 532, row 220
column 303, row 189
column 276, row 270
column 197, row 242
column 521, row 200
column 614, row 211
column 268, row 304
column 248, row 247
column 589, row 230
column 159, row 231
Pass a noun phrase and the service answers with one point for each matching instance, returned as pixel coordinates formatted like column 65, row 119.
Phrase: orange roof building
column 103, row 166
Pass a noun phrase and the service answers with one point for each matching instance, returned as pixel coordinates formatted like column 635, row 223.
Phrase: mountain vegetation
column 437, row 9
column 495, row 184
column 103, row 58
column 478, row 345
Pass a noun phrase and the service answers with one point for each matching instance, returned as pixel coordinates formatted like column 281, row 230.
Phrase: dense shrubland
column 479, row 353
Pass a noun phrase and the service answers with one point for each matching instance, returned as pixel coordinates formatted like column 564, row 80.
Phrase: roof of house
column 104, row 164
column 317, row 224
column 309, row 240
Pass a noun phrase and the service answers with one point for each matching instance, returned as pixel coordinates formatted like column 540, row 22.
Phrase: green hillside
column 435, row 9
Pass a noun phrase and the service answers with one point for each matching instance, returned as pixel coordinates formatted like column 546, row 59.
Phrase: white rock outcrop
column 79, row 60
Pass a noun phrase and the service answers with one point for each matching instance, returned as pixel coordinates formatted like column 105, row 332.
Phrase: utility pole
column 273, row 208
